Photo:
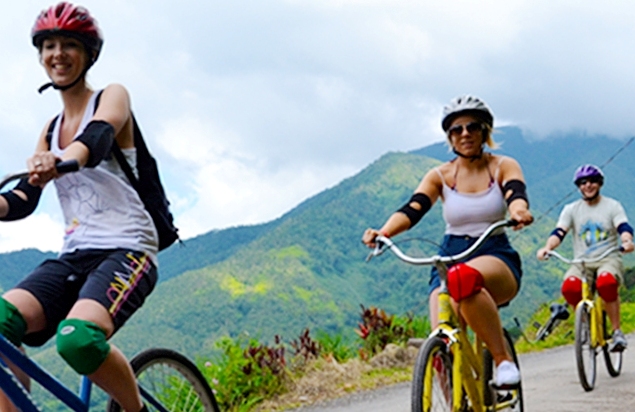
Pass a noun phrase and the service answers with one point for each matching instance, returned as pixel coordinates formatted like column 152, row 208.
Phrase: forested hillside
column 307, row 268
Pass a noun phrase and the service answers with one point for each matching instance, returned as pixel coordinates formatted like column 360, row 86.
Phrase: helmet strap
column 68, row 86
column 471, row 158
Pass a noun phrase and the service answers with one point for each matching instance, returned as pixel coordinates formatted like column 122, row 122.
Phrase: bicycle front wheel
column 613, row 360
column 584, row 348
column 172, row 380
column 432, row 378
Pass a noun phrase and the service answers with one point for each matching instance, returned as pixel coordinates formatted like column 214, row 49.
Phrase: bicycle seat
column 559, row 311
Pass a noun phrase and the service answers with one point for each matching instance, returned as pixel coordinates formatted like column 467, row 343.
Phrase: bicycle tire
column 584, row 351
column 491, row 397
column 171, row 378
column 612, row 360
column 433, row 365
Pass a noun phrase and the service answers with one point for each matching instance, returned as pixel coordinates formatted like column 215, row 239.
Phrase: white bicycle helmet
column 466, row 105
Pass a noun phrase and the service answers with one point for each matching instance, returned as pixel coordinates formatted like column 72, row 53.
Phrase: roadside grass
column 327, row 380
column 339, row 367
column 564, row 332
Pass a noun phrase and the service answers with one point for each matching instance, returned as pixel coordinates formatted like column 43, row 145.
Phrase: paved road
column 550, row 384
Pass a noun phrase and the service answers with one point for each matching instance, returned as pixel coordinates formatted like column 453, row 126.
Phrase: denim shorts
column 497, row 246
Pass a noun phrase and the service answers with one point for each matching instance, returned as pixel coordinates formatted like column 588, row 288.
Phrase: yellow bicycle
column 591, row 327
column 453, row 372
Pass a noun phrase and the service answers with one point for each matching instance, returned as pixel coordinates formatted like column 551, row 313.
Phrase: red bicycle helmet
column 66, row 19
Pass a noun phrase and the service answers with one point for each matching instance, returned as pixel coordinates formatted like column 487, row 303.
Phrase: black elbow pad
column 18, row 207
column 98, row 137
column 518, row 191
column 413, row 214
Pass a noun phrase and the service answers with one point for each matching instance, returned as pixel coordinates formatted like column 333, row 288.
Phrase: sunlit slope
column 307, row 268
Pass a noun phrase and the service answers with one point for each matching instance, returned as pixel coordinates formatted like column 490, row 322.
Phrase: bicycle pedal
column 504, row 397
column 511, row 387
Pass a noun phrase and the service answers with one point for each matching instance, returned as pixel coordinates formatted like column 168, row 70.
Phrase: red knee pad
column 607, row 286
column 572, row 290
column 464, row 281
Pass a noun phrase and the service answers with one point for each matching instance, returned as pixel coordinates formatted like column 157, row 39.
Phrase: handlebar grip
column 512, row 222
column 67, row 166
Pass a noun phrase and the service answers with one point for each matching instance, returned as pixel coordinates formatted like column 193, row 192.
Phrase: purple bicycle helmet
column 586, row 172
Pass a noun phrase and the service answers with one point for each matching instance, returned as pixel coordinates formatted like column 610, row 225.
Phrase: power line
column 565, row 197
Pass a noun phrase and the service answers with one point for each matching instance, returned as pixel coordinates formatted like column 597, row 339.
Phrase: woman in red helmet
column 107, row 265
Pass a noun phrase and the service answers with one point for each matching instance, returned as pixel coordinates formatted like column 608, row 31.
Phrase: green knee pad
column 12, row 324
column 82, row 344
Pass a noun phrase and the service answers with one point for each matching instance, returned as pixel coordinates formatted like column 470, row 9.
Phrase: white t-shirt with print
column 594, row 227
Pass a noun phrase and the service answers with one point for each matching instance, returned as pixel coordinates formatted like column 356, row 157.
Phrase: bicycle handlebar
column 582, row 260
column 382, row 241
column 62, row 167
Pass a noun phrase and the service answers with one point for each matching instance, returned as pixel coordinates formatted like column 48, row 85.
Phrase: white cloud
column 250, row 107
column 227, row 187
column 40, row 231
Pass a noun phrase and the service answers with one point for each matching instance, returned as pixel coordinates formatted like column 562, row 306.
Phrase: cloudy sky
column 253, row 106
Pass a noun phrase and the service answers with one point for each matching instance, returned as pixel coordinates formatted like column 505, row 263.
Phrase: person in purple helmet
column 598, row 223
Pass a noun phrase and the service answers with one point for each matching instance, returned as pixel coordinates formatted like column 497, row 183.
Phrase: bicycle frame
column 590, row 298
column 18, row 394
column 596, row 307
column 21, row 397
column 467, row 368
column 591, row 325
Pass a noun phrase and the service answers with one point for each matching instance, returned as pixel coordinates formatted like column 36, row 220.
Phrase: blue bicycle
column 168, row 381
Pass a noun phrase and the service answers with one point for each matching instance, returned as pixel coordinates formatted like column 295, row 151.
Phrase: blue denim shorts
column 497, row 246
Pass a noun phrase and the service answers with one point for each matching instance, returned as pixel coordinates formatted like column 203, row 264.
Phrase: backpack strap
column 49, row 132
column 123, row 163
column 116, row 151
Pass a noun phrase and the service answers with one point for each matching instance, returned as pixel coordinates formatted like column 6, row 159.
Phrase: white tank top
column 101, row 209
column 471, row 213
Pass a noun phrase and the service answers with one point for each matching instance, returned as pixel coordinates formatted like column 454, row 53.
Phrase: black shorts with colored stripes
column 118, row 279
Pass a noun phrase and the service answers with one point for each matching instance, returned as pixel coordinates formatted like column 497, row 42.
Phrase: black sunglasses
column 471, row 127
column 582, row 182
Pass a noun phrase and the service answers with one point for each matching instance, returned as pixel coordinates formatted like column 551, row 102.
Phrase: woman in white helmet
column 477, row 188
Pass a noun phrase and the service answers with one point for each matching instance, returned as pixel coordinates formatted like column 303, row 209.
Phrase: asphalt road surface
column 550, row 384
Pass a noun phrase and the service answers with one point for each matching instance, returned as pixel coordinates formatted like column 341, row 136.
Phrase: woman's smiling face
column 64, row 59
column 466, row 135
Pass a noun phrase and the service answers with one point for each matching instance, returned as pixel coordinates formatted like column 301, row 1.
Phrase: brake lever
column 378, row 250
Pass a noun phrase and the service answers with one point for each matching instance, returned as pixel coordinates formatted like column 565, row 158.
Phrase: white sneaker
column 619, row 342
column 507, row 374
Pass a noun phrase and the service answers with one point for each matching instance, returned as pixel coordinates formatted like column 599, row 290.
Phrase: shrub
column 247, row 372
column 305, row 347
column 377, row 329
column 413, row 326
column 335, row 346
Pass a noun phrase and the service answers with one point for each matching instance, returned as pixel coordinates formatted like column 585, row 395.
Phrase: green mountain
column 308, row 269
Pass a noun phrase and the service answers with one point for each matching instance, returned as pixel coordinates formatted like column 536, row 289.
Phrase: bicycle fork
column 467, row 373
column 595, row 307
column 467, row 367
